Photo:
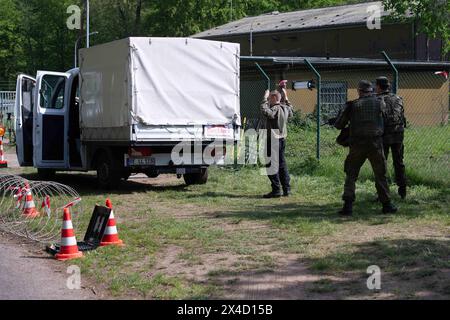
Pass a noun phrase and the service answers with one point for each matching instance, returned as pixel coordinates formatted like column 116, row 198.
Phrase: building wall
column 355, row 41
column 426, row 96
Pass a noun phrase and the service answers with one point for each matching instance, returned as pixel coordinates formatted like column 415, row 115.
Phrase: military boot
column 347, row 210
column 389, row 208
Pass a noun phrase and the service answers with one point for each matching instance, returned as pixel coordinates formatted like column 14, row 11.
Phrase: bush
column 300, row 121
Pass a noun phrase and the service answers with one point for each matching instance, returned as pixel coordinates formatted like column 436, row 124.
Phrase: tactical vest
column 366, row 120
column 394, row 118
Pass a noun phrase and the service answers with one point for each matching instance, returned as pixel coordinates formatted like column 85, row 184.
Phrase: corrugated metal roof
column 296, row 20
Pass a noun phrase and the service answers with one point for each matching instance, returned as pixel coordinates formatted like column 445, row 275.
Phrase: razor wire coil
column 49, row 200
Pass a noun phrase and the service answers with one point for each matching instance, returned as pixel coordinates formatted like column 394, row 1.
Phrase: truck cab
column 47, row 121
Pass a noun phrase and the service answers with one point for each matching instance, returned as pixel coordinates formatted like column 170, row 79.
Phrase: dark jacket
column 365, row 119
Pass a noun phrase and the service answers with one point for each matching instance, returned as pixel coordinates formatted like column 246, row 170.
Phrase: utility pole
column 231, row 10
column 251, row 36
column 87, row 24
column 76, row 47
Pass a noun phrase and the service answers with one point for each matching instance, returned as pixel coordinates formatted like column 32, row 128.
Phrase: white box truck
column 127, row 106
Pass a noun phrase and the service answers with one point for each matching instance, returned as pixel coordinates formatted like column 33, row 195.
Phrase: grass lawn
column 221, row 240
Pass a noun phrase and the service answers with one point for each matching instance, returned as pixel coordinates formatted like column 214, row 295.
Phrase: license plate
column 181, row 171
column 147, row 161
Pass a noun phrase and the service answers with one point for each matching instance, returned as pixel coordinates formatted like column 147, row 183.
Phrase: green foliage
column 10, row 38
column 34, row 35
column 299, row 120
column 432, row 16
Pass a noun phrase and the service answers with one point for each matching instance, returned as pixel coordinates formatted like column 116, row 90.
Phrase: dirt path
column 27, row 273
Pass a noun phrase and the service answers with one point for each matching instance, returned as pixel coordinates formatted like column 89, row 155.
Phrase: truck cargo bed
column 158, row 89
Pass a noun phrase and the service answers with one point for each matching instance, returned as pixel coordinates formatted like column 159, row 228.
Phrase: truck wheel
column 46, row 174
column 151, row 174
column 108, row 174
column 196, row 178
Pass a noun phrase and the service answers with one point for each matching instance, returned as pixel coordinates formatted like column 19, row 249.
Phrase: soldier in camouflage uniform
column 365, row 116
column 394, row 128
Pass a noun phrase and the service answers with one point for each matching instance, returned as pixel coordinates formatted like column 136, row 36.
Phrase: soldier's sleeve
column 384, row 108
column 400, row 100
column 343, row 117
column 267, row 111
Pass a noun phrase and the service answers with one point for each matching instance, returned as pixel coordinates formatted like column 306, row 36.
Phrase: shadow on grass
column 410, row 269
column 212, row 194
column 86, row 185
column 366, row 209
column 309, row 216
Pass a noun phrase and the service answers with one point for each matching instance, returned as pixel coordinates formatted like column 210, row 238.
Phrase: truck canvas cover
column 159, row 82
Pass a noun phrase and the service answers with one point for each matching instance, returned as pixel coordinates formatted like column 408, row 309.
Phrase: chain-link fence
column 426, row 101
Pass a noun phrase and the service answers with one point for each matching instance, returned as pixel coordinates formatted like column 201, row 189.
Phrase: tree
column 10, row 39
column 34, row 34
column 47, row 43
column 432, row 17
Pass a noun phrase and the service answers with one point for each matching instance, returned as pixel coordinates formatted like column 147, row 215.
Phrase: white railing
column 7, row 102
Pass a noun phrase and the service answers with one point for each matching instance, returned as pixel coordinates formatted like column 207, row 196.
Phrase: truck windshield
column 52, row 92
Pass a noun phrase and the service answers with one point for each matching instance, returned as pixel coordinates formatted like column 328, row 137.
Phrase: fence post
column 319, row 103
column 264, row 74
column 394, row 70
column 1, row 107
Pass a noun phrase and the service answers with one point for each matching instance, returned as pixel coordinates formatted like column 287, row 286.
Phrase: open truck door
column 50, row 121
column 24, row 115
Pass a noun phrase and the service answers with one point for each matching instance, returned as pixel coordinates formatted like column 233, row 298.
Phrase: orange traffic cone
column 111, row 236
column 69, row 247
column 29, row 208
column 3, row 162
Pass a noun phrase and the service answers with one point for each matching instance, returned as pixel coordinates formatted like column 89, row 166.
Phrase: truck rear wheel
column 108, row 174
column 196, row 178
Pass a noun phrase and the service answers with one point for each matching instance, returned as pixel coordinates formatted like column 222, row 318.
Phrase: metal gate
column 7, row 101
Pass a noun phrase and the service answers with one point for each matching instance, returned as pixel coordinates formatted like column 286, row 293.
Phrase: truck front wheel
column 108, row 175
column 196, row 178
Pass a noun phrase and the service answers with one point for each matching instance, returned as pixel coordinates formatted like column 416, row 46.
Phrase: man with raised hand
column 277, row 115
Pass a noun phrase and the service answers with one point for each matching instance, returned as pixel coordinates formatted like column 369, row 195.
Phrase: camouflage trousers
column 398, row 150
column 369, row 150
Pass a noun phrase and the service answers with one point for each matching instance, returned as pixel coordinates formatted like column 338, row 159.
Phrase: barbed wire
column 40, row 219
